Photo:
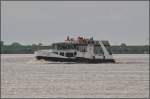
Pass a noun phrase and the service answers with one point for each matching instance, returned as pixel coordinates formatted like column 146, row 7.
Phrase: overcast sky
column 29, row 22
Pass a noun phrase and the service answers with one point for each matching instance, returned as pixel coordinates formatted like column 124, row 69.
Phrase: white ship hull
column 49, row 56
column 77, row 59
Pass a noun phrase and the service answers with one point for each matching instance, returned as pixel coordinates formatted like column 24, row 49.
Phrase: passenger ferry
column 81, row 50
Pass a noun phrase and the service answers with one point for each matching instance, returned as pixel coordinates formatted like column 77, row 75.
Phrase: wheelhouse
column 65, row 49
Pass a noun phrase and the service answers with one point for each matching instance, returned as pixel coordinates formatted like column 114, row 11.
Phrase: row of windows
column 64, row 46
column 82, row 48
column 97, row 49
column 69, row 54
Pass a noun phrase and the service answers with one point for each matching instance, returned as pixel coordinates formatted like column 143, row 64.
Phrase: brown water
column 24, row 77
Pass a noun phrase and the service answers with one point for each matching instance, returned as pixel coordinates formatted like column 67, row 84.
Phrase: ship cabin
column 70, row 49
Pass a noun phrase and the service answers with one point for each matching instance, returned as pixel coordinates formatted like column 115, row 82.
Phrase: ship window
column 82, row 48
column 69, row 54
column 54, row 46
column 75, row 53
column 98, row 50
column 62, row 53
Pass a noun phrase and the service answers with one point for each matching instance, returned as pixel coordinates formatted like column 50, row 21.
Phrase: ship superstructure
column 81, row 50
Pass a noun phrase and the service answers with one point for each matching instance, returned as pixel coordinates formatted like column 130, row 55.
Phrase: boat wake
column 42, row 61
column 34, row 61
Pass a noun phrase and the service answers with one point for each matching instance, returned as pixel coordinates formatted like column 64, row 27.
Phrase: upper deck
column 80, row 45
column 73, row 45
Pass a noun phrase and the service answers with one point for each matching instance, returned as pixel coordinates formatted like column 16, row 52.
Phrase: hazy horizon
column 46, row 22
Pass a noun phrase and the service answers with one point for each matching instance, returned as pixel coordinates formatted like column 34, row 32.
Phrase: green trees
column 17, row 48
column 2, row 43
column 130, row 49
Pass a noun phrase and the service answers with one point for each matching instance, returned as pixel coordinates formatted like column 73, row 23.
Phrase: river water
column 24, row 77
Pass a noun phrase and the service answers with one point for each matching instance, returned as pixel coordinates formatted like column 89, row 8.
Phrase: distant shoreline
column 16, row 48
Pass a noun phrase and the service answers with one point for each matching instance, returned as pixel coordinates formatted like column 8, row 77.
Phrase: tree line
column 17, row 48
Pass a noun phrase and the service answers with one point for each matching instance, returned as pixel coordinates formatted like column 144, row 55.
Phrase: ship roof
column 96, row 42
